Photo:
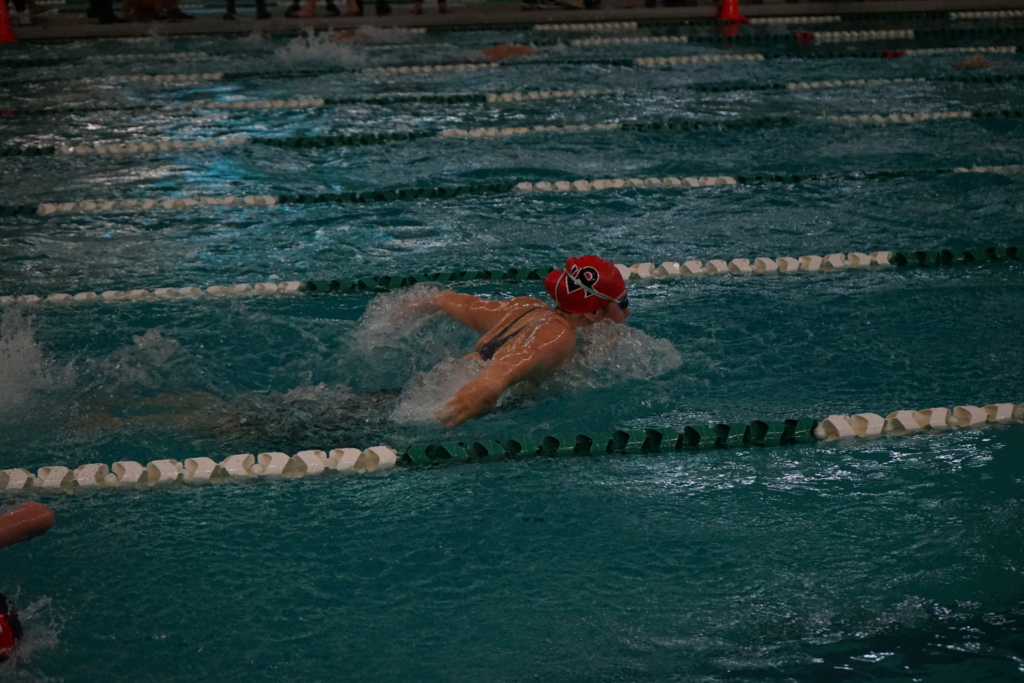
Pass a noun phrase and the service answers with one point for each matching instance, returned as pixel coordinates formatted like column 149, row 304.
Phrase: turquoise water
column 897, row 559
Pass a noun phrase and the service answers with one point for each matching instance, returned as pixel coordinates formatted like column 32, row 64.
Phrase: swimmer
column 496, row 53
column 524, row 338
column 977, row 61
column 10, row 628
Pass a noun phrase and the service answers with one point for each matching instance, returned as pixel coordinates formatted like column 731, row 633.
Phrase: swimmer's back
column 524, row 323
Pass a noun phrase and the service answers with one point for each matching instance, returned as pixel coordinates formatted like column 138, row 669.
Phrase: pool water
column 896, row 559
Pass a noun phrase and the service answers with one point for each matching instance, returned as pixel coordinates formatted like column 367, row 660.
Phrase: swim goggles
column 623, row 301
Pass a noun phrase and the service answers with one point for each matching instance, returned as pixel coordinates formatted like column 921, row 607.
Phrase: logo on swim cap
column 587, row 284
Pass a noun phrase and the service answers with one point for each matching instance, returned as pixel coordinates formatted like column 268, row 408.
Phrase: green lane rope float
column 449, row 192
column 639, row 273
column 696, row 437
column 823, row 19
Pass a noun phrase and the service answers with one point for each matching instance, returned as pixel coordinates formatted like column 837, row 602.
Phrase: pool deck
column 480, row 15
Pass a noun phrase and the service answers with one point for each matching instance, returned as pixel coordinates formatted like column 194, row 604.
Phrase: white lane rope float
column 601, row 27
column 822, row 19
column 697, row 59
column 820, row 37
column 590, row 42
column 544, row 95
column 281, row 466
column 884, row 119
column 164, row 472
column 993, row 14
column 254, row 201
column 924, row 52
column 429, row 68
column 852, row 83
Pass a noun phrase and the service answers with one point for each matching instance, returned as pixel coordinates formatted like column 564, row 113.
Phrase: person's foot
column 443, row 8
column 307, row 12
column 292, row 11
column 230, row 16
column 331, row 9
column 417, row 8
column 263, row 13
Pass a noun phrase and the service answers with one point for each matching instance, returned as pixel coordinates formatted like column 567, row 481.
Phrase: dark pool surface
column 888, row 559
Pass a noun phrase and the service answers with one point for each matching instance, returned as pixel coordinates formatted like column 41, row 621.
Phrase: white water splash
column 610, row 353
column 426, row 392
column 392, row 319
column 23, row 371
column 322, row 49
column 42, row 628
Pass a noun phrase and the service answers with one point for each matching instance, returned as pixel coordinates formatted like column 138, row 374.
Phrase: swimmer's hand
column 418, row 306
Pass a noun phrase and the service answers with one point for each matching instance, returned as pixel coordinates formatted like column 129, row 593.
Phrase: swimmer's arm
column 553, row 345
column 479, row 315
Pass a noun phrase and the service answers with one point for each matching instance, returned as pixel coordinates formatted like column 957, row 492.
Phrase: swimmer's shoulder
column 524, row 302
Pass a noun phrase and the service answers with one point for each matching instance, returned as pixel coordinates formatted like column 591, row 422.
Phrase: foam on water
column 427, row 391
column 23, row 371
column 42, row 626
column 310, row 48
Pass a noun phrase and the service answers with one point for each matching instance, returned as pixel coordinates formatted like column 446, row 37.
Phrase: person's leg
column 354, row 9
column 417, row 7
column 229, row 12
column 330, row 9
column 442, row 7
column 383, row 8
column 261, row 10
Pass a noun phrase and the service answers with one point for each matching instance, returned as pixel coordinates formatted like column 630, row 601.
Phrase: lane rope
column 449, row 192
column 638, row 273
column 303, row 102
column 696, row 437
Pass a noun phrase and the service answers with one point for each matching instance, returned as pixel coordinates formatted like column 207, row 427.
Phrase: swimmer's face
column 613, row 312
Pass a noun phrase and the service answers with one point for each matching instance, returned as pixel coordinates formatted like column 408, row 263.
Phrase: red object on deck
column 8, row 112
column 803, row 38
column 6, row 35
column 889, row 54
column 730, row 11
column 26, row 521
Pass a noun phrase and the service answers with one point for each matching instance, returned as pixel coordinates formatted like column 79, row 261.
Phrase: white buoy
column 859, row 260
column 881, row 258
column 933, row 419
column 740, row 266
column 164, row 472
column 765, row 265
column 902, row 422
column 810, row 263
column 311, row 462
column 716, row 267
column 199, row 470
column 690, row 268
column 239, row 466
column 129, row 472
column 56, row 477
column 374, row 459
column 641, row 272
column 787, row 264
column 19, row 478
column 867, row 424
column 343, row 459
column 837, row 427
column 666, row 270
column 276, row 465
column 834, row 262
column 624, row 271
column 968, row 416
column 93, row 474
column 999, row 413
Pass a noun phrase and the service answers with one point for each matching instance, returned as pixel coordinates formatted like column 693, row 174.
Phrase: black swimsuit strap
column 492, row 345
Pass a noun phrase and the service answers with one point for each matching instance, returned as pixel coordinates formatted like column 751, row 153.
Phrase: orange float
column 26, row 521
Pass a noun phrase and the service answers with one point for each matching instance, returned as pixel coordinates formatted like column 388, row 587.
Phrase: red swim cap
column 587, row 284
